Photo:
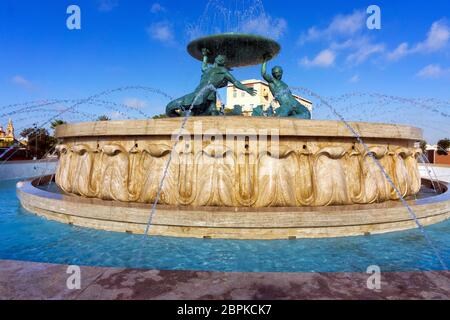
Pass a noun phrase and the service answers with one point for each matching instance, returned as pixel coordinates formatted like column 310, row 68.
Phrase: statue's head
column 277, row 72
column 221, row 60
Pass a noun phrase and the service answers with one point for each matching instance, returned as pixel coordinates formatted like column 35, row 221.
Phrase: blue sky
column 326, row 47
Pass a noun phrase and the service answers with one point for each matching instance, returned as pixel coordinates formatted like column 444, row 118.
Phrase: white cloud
column 341, row 25
column 115, row 115
column 347, row 24
column 135, row 103
column 162, row 31
column 361, row 49
column 22, row 82
column 354, row 79
column 401, row 51
column 107, row 5
column 364, row 52
column 433, row 71
column 437, row 39
column 345, row 36
column 265, row 25
column 324, row 59
column 157, row 8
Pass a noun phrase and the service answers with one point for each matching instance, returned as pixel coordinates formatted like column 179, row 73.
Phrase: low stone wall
column 13, row 170
column 233, row 223
column 439, row 172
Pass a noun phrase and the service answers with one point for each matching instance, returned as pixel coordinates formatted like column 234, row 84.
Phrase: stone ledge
column 277, row 224
column 286, row 127
column 30, row 280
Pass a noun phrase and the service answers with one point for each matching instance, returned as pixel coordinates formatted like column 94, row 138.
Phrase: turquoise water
column 24, row 236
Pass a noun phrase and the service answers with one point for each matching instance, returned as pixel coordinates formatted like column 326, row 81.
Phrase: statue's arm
column 264, row 74
column 205, row 64
column 239, row 85
column 205, row 53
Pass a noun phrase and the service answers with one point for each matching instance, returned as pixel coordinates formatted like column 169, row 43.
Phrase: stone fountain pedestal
column 237, row 162
column 237, row 177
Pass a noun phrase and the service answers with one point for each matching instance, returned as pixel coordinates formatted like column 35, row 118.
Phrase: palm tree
column 103, row 118
column 443, row 146
column 56, row 123
column 423, row 146
column 160, row 116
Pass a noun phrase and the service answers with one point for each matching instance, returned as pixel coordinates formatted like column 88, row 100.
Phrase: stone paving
column 28, row 280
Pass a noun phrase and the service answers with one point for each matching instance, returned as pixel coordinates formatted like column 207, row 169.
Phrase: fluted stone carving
column 297, row 173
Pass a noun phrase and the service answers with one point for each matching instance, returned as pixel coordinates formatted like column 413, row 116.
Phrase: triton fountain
column 213, row 176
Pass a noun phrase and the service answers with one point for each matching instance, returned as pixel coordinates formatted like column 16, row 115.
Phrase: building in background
column 263, row 97
column 7, row 137
column 434, row 157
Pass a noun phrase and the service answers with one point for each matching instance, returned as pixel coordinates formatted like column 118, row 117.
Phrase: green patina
column 289, row 106
column 218, row 54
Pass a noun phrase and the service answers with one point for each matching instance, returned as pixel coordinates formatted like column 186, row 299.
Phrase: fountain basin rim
column 279, row 223
column 32, row 186
column 239, row 125
column 241, row 49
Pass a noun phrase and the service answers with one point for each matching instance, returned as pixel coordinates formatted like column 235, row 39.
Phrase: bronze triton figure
column 202, row 101
column 289, row 106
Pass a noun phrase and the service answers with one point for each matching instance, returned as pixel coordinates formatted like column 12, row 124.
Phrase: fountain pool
column 25, row 236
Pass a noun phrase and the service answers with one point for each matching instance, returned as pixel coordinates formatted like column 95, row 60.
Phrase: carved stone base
column 238, row 162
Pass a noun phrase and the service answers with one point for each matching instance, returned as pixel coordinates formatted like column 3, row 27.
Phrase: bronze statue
column 202, row 102
column 289, row 106
column 258, row 111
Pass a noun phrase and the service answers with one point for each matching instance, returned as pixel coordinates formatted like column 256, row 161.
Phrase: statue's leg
column 173, row 109
column 282, row 112
column 211, row 104
column 210, row 109
column 302, row 112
